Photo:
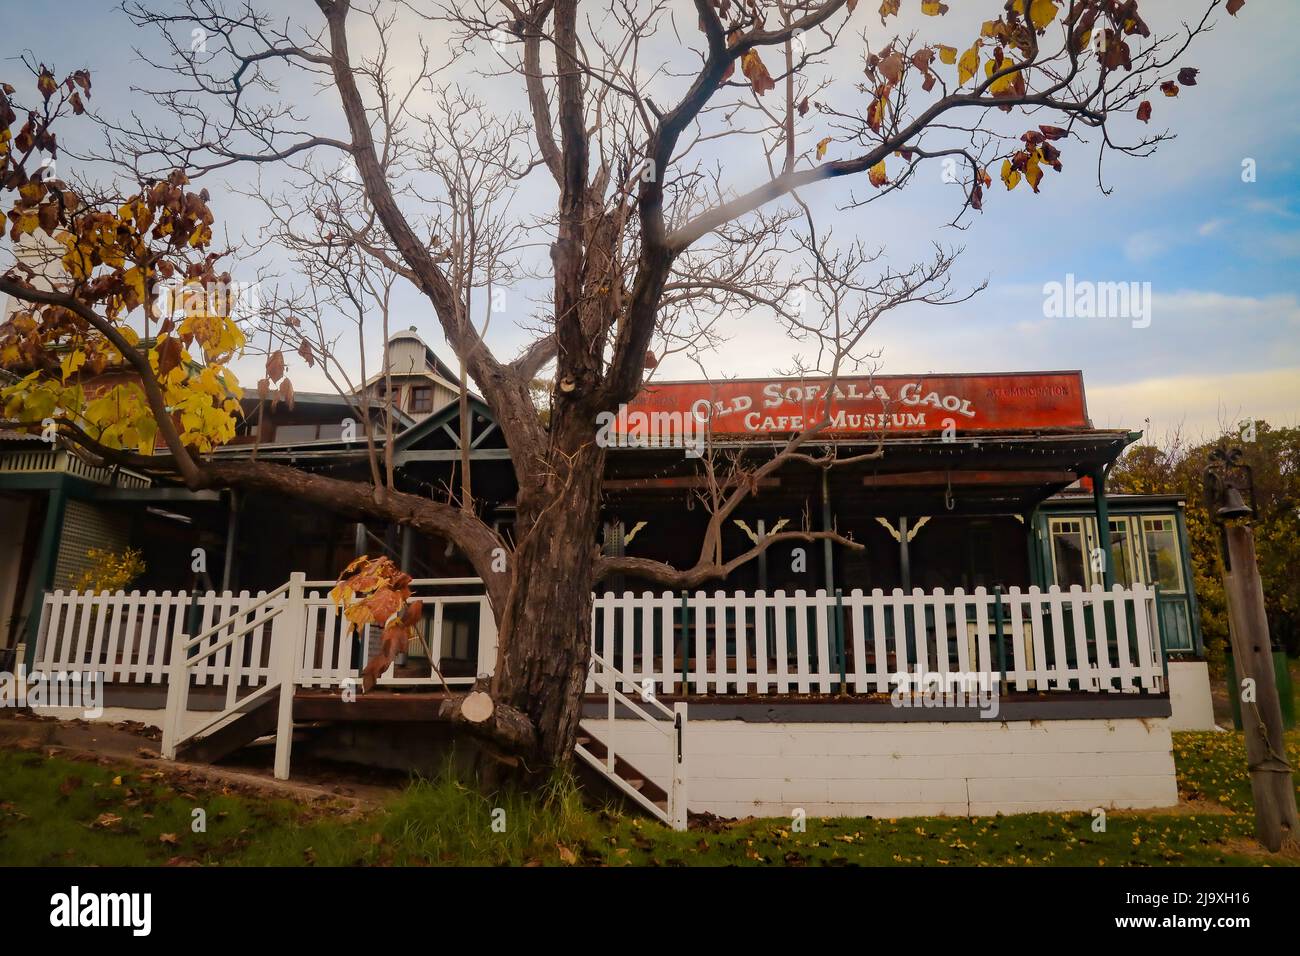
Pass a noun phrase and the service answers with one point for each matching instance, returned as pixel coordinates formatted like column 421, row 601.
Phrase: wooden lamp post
column 1226, row 478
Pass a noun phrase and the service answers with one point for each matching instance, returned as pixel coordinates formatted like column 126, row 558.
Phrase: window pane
column 1068, row 553
column 1163, row 559
column 1178, row 632
column 1120, row 553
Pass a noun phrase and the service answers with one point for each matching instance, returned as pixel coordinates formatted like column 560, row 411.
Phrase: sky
column 1219, row 249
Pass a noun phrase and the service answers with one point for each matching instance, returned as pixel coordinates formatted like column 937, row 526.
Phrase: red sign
column 870, row 405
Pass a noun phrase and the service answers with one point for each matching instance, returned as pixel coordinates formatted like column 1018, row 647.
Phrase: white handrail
column 286, row 650
column 230, row 638
column 676, row 814
column 256, row 605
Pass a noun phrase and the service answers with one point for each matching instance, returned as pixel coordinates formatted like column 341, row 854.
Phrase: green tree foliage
column 1175, row 466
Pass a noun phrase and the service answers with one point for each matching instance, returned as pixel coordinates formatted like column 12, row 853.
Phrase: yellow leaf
column 947, row 54
column 27, row 223
column 1033, row 172
column 1043, row 12
column 877, row 174
column 134, row 279
column 821, row 147
column 933, row 8
column 1010, row 176
column 756, row 72
column 970, row 63
column 71, row 362
column 1005, row 84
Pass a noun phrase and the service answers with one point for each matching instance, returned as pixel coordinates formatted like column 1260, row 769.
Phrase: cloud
column 1144, row 246
column 1201, row 405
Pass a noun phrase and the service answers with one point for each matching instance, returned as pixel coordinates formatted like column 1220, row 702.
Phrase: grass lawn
column 62, row 811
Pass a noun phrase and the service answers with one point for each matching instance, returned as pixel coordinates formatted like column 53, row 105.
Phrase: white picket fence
column 697, row 643
column 822, row 643
column 129, row 637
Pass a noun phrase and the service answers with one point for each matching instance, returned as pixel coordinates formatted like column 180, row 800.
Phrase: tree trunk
column 545, row 628
column 1276, row 823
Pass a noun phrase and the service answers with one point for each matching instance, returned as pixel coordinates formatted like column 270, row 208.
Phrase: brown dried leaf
column 756, row 72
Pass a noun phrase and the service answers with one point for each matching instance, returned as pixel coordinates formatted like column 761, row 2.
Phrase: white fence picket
column 725, row 644
column 1149, row 673
column 781, row 642
column 1128, row 671
column 1085, row 666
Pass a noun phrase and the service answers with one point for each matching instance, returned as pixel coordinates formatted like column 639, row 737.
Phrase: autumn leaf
column 821, row 147
column 286, row 393
column 756, row 72
column 933, row 8
column 877, row 174
column 1169, row 88
column 45, row 83
column 304, row 350
column 1235, row 5
column 803, row 106
column 71, row 362
column 1033, row 171
column 969, row 65
column 169, row 355
column 876, row 111
column 1010, row 175
column 889, row 8
column 275, row 366
column 891, row 66
column 1144, row 111
column 1187, row 76
column 1041, row 12
column 947, row 54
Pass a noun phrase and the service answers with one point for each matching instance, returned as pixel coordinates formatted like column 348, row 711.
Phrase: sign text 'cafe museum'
column 948, row 481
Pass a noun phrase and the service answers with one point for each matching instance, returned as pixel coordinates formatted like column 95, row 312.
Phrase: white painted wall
column 1189, row 696
column 739, row 769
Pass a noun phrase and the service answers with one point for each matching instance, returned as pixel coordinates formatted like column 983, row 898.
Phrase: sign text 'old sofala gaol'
column 860, row 404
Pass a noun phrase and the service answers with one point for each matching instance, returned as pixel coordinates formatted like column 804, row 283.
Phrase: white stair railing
column 608, row 679
column 284, row 606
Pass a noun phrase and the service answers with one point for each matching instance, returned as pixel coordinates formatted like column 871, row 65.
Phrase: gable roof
column 426, row 428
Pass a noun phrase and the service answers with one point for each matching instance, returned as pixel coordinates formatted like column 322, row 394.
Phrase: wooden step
column 258, row 721
column 630, row 774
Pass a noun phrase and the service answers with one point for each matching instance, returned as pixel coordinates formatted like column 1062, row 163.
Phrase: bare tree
column 662, row 152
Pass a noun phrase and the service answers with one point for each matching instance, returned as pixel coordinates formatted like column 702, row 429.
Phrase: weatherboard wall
column 739, row 769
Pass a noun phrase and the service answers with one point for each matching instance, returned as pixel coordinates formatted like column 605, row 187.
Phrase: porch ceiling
column 986, row 474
